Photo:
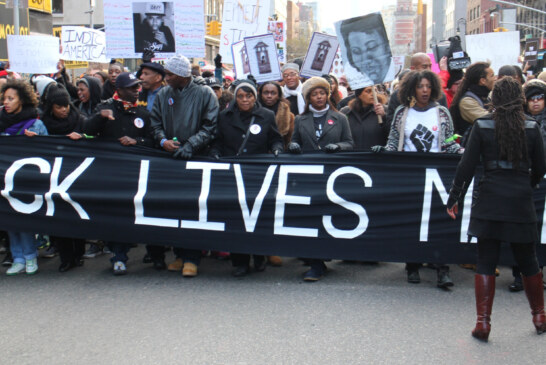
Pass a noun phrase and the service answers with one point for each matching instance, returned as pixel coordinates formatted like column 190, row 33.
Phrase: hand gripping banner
column 358, row 206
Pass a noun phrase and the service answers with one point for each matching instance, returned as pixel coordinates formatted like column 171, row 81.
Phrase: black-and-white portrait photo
column 366, row 47
column 154, row 26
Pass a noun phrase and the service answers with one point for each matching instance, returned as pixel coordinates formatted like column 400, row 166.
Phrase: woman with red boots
column 511, row 151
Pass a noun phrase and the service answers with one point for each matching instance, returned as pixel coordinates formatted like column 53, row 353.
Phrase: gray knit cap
column 291, row 66
column 179, row 65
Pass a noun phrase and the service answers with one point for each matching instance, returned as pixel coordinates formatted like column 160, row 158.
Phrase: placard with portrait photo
column 153, row 24
column 365, row 50
column 320, row 55
column 240, row 60
column 262, row 57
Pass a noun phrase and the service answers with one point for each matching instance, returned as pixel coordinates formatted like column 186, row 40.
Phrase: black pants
column 70, row 249
column 157, row 253
column 413, row 266
column 489, row 253
column 241, row 259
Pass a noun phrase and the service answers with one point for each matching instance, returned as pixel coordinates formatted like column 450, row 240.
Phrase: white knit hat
column 179, row 65
column 41, row 83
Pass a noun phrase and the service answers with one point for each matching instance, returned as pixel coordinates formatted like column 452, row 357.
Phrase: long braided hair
column 508, row 102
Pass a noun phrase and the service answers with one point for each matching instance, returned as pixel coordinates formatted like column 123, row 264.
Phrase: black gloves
column 185, row 152
column 147, row 55
column 293, row 147
column 378, row 149
column 276, row 152
column 331, row 147
column 218, row 61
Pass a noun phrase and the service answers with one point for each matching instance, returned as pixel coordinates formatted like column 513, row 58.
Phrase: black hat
column 154, row 66
column 454, row 76
column 126, row 79
column 534, row 87
column 212, row 82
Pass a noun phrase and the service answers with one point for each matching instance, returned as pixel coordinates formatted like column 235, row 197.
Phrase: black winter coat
column 264, row 135
column 336, row 130
column 134, row 123
column 505, row 193
column 365, row 128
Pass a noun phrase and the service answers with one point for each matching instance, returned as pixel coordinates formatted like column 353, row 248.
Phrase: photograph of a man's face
column 367, row 46
column 153, row 24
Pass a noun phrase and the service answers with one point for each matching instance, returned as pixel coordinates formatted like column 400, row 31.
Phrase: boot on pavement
column 535, row 295
column 484, row 286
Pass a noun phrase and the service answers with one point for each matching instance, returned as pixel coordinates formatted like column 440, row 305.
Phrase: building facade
column 403, row 25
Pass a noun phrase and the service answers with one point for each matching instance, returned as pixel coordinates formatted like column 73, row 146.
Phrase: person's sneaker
column 31, row 266
column 444, row 281
column 189, row 270
column 50, row 252
column 414, row 277
column 16, row 268
column 517, row 285
column 43, row 242
column 176, row 265
column 93, row 251
column 119, row 268
column 8, row 259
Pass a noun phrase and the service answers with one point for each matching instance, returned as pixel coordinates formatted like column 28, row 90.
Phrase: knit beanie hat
column 41, row 82
column 249, row 84
column 179, row 65
column 57, row 94
column 291, row 66
column 454, row 76
column 534, row 87
column 312, row 84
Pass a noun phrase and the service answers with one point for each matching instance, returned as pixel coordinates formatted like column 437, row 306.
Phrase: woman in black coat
column 246, row 128
column 320, row 127
column 511, row 151
column 62, row 118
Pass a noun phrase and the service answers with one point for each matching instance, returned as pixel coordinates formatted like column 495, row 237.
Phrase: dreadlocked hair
column 508, row 102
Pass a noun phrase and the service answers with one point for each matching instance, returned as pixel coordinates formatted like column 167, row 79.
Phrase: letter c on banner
column 26, row 208
column 359, row 210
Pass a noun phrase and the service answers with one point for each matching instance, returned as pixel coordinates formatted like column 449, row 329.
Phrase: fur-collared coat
column 285, row 122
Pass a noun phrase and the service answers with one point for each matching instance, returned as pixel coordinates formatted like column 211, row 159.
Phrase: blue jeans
column 120, row 250
column 23, row 246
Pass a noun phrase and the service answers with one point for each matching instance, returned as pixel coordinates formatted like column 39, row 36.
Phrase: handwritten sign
column 242, row 18
column 24, row 56
column 83, row 44
column 499, row 48
column 320, row 55
column 262, row 57
column 174, row 27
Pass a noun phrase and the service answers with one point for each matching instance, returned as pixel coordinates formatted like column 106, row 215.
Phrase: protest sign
column 7, row 27
column 83, row 44
column 337, row 66
column 164, row 27
column 365, row 50
column 262, row 57
column 240, row 60
column 498, row 48
column 33, row 53
column 278, row 29
column 352, row 205
column 531, row 51
column 320, row 55
column 242, row 18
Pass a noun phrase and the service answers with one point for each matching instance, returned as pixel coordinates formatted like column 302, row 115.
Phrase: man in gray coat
column 183, row 122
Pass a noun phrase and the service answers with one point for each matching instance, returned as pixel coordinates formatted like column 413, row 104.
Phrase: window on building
column 57, row 6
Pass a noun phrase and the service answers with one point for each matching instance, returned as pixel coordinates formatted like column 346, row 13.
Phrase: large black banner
column 360, row 206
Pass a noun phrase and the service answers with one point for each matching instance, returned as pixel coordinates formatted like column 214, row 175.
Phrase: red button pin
column 330, row 121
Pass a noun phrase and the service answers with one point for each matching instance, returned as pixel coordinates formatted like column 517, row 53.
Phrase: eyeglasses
column 537, row 97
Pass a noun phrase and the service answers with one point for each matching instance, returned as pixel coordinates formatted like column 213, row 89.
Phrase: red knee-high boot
column 535, row 295
column 484, row 286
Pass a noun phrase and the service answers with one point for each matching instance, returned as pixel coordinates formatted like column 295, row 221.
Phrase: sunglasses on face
column 537, row 97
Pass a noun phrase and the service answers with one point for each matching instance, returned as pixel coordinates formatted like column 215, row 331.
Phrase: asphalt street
column 357, row 314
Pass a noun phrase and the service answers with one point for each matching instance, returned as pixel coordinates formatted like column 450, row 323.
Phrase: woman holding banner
column 246, row 128
column 19, row 116
column 320, row 127
column 420, row 124
column 510, row 148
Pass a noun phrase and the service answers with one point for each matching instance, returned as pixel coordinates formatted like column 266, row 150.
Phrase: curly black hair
column 409, row 84
column 24, row 91
column 508, row 100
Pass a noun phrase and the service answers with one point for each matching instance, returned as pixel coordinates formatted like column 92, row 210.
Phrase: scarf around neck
column 319, row 113
column 296, row 92
column 13, row 123
column 126, row 104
